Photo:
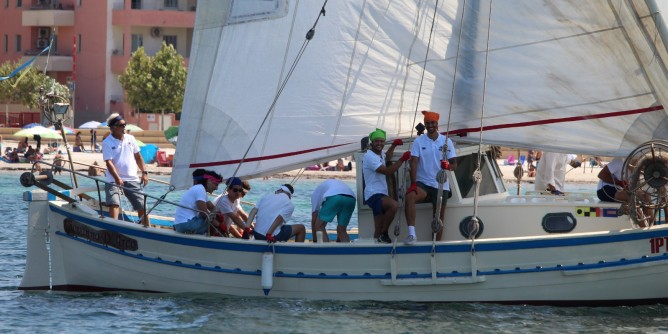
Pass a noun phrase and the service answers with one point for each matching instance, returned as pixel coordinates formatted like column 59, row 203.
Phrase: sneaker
column 410, row 240
column 384, row 239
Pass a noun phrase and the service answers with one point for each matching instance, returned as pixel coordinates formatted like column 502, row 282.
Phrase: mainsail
column 568, row 76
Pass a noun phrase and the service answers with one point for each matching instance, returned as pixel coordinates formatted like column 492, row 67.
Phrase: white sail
column 574, row 76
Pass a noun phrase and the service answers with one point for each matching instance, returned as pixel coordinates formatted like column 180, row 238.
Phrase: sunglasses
column 238, row 190
column 120, row 125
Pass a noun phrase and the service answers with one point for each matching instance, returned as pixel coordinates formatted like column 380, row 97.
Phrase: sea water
column 123, row 312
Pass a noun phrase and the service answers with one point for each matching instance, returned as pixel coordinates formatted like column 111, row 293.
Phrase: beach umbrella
column 133, row 128
column 140, row 143
column 31, row 125
column 38, row 130
column 103, row 125
column 90, row 125
column 67, row 129
column 172, row 134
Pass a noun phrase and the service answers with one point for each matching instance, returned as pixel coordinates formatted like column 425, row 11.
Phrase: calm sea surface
column 50, row 312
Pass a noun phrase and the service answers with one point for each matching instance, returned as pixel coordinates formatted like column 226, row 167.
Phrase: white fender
column 267, row 272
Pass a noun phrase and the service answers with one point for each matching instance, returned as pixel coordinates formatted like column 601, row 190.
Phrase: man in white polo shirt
column 121, row 154
column 332, row 198
column 426, row 161
column 273, row 211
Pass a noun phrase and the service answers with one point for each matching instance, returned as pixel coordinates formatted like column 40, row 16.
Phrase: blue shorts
column 132, row 193
column 341, row 206
column 607, row 193
column 283, row 235
column 375, row 202
column 196, row 225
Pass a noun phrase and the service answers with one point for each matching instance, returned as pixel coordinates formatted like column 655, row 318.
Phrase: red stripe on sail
column 269, row 157
column 463, row 132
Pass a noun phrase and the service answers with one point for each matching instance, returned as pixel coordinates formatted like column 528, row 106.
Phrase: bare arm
column 414, row 163
column 114, row 173
column 142, row 168
column 277, row 222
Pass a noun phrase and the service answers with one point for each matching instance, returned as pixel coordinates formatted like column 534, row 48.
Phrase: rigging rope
column 300, row 53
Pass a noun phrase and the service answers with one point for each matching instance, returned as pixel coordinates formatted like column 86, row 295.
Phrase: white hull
column 582, row 268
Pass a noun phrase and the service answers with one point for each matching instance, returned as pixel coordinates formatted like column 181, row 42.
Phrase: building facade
column 92, row 41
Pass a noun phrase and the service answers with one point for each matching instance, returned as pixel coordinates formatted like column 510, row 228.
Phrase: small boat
column 558, row 76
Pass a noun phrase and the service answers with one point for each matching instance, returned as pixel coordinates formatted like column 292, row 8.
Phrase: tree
column 24, row 87
column 155, row 84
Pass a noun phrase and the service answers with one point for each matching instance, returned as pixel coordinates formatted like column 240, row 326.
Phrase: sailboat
column 560, row 76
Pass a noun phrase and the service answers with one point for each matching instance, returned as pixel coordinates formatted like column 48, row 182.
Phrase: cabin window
column 559, row 222
column 466, row 165
column 254, row 10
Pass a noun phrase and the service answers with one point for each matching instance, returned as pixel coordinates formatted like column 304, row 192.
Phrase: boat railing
column 44, row 180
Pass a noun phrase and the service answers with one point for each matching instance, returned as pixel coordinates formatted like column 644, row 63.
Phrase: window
column 6, row 45
column 78, row 43
column 171, row 3
column 19, row 3
column 80, row 3
column 136, row 4
column 137, row 42
column 6, row 3
column 465, row 167
column 170, row 39
column 18, row 43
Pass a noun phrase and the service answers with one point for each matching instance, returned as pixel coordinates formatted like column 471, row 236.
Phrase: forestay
column 569, row 76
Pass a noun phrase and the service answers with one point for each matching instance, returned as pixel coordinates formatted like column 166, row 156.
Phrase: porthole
column 467, row 228
column 559, row 222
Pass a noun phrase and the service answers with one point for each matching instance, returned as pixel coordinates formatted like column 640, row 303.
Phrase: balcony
column 57, row 63
column 47, row 17
column 153, row 18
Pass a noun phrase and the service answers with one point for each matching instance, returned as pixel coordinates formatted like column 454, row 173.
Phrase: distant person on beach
column 273, row 212
column 23, row 146
column 121, row 155
column 332, row 198
column 193, row 213
column 426, row 162
column 375, row 171
column 551, row 173
column 58, row 163
column 231, row 212
column 38, row 140
column 78, row 143
column 93, row 140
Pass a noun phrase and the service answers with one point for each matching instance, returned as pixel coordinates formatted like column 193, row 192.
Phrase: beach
column 84, row 159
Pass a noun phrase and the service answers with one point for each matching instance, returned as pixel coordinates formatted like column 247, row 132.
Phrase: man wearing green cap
column 375, row 170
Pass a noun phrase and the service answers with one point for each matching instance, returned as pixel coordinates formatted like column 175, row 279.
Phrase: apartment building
column 92, row 44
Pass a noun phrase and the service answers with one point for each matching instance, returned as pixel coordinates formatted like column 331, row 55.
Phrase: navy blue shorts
column 607, row 193
column 432, row 194
column 375, row 202
column 283, row 235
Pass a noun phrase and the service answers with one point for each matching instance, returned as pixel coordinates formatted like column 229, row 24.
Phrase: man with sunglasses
column 426, row 162
column 121, row 155
column 229, row 206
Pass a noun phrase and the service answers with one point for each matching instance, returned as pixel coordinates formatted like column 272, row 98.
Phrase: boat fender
column 267, row 272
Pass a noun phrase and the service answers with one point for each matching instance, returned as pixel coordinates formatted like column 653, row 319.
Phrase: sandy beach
column 84, row 159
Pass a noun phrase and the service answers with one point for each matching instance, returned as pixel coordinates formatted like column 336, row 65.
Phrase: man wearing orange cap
column 426, row 161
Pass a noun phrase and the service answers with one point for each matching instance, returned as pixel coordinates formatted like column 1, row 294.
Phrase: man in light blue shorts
column 330, row 199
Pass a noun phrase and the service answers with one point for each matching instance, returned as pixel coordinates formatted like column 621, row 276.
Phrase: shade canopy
column 90, row 125
column 38, row 130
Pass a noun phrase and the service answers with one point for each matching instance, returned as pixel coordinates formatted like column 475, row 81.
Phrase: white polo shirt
column 374, row 182
column 122, row 154
column 429, row 152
